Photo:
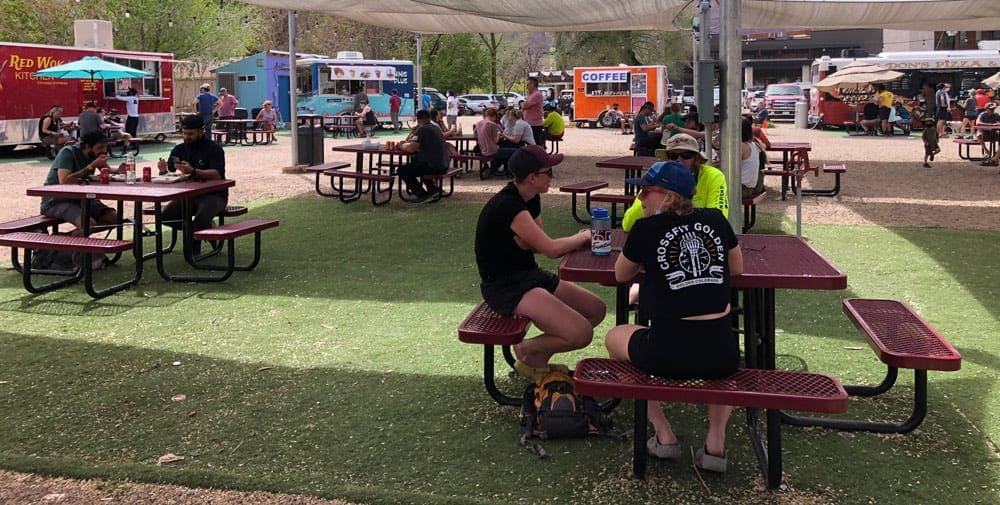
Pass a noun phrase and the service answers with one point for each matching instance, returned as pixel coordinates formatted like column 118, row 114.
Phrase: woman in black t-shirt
column 508, row 234
column 688, row 255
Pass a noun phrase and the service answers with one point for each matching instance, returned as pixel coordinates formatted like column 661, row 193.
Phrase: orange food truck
column 598, row 89
column 24, row 98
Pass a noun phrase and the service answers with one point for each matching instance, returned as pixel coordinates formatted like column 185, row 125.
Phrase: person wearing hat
column 431, row 157
column 553, row 123
column 227, row 104
column 206, row 103
column 508, row 233
column 711, row 182
column 202, row 160
column 694, row 252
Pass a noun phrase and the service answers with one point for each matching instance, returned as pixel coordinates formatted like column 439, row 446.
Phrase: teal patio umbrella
column 91, row 67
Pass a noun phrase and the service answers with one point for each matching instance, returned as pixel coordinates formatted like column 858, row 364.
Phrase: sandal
column 705, row 461
column 536, row 374
column 663, row 451
column 989, row 164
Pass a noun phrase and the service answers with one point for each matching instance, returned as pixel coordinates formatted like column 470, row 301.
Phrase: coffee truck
column 596, row 90
column 25, row 98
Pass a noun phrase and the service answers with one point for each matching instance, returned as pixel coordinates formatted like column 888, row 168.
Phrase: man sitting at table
column 988, row 117
column 487, row 140
column 431, row 157
column 553, row 123
column 508, row 234
column 90, row 121
column 645, row 127
column 201, row 160
column 73, row 165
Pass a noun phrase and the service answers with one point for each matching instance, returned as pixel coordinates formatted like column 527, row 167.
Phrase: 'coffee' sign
column 605, row 76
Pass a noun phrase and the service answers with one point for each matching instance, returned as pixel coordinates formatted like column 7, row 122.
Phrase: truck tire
column 606, row 120
column 579, row 124
column 160, row 137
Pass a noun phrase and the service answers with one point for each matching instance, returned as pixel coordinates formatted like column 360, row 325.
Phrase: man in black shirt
column 431, row 157
column 200, row 159
column 508, row 234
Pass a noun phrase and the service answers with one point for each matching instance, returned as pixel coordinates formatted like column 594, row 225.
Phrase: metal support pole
column 731, row 54
column 705, row 52
column 292, row 92
column 419, row 74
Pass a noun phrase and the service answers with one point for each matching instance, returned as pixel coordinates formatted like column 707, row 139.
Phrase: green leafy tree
column 456, row 62
column 586, row 49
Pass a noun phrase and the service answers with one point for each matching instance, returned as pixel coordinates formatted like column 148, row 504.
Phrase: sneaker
column 931, row 156
column 421, row 198
column 705, row 461
column 663, row 451
column 99, row 261
column 927, row 165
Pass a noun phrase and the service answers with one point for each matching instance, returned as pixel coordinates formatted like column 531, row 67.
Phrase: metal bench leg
column 639, row 436
column 345, row 196
column 31, row 288
column 773, row 474
column 576, row 216
column 916, row 417
column 490, row 381
column 377, row 190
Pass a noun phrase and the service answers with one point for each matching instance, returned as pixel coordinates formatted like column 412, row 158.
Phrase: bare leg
column 566, row 319
column 718, row 416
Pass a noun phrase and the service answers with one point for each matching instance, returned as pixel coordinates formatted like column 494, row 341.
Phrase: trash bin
column 240, row 113
column 310, row 143
column 802, row 114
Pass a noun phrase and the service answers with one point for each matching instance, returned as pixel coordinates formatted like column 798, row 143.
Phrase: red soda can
column 105, row 175
column 147, row 174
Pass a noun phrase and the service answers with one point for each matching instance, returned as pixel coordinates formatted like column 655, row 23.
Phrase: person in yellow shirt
column 710, row 191
column 885, row 99
column 553, row 123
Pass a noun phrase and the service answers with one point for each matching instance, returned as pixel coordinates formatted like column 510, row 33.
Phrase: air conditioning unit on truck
column 24, row 98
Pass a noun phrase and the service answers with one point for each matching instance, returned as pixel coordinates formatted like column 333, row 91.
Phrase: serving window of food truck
column 150, row 84
column 606, row 83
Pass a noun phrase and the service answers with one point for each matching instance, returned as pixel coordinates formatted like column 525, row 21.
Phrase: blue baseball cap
column 667, row 175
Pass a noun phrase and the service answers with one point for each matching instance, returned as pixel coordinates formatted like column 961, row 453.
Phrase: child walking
column 930, row 138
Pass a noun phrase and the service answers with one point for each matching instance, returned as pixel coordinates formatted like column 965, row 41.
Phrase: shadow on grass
column 84, row 409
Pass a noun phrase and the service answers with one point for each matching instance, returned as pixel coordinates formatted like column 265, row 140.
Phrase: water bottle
column 130, row 168
column 600, row 231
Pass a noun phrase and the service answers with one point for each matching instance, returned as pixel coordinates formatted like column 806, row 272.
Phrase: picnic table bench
column 450, row 174
column 229, row 232
column 30, row 241
column 902, row 340
column 466, row 159
column 586, row 188
column 327, row 169
column 748, row 387
column 837, row 169
column 374, row 180
column 485, row 326
column 965, row 149
column 34, row 223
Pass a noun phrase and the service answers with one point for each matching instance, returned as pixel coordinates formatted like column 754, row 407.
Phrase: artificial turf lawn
column 334, row 370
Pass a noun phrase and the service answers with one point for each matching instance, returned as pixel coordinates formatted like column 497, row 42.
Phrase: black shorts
column 930, row 149
column 883, row 113
column 503, row 295
column 942, row 114
column 687, row 350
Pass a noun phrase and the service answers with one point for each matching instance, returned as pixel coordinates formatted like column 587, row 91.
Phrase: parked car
column 463, row 107
column 780, row 99
column 480, row 101
column 513, row 99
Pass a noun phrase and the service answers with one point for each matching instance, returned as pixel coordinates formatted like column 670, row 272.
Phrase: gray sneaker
column 663, row 451
column 705, row 461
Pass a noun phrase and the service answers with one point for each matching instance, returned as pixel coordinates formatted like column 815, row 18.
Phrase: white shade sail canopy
column 483, row 16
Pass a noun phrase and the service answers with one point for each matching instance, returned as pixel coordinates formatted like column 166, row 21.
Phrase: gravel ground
column 885, row 185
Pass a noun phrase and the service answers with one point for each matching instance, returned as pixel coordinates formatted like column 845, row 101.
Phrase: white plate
column 168, row 179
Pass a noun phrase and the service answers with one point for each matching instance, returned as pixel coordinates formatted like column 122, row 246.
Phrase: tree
column 457, row 62
column 587, row 49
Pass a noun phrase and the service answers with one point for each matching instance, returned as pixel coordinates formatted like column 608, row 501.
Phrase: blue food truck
column 328, row 86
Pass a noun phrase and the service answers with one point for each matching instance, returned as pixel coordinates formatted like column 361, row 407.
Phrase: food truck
column 24, row 98
column 598, row 89
column 328, row 86
column 963, row 69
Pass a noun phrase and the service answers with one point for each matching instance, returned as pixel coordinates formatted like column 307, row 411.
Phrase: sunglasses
column 547, row 172
column 687, row 155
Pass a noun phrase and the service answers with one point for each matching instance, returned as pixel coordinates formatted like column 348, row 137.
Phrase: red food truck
column 24, row 98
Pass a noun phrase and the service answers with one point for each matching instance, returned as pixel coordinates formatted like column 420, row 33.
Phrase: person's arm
column 735, row 261
column 409, row 146
column 532, row 100
column 717, row 198
column 625, row 269
column 68, row 176
column 532, row 235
